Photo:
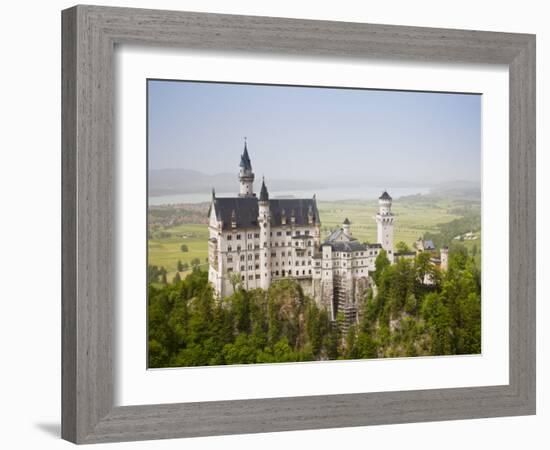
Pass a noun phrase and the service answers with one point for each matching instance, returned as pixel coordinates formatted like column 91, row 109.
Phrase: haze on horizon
column 304, row 133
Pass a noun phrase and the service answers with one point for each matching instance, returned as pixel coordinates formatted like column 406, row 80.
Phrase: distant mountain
column 184, row 181
column 458, row 189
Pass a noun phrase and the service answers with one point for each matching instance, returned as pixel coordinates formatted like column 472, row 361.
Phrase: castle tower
column 246, row 176
column 264, row 222
column 444, row 258
column 385, row 220
column 346, row 227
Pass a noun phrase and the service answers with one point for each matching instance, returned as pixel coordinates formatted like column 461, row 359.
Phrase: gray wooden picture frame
column 90, row 34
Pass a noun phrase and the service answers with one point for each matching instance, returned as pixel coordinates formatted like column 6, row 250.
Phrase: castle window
column 229, row 269
column 309, row 263
column 278, row 233
column 303, row 263
column 242, row 268
column 242, row 278
column 257, row 277
column 250, row 277
column 309, row 271
column 326, row 273
column 257, row 266
column 250, row 256
column 229, row 259
column 307, row 232
column 256, row 256
column 309, row 243
column 297, row 233
column 229, row 248
column 242, row 257
column 249, row 246
column 238, row 237
column 309, row 253
column 256, row 235
column 273, row 254
column 249, row 267
column 303, row 272
column 238, row 248
column 249, row 235
column 256, row 246
column 276, row 244
column 297, row 263
column 229, row 237
column 277, row 272
column 288, row 233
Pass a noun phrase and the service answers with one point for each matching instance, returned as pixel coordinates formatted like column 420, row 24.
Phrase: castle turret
column 444, row 258
column 346, row 227
column 385, row 220
column 246, row 176
column 264, row 222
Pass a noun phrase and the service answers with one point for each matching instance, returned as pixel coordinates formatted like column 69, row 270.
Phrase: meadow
column 415, row 216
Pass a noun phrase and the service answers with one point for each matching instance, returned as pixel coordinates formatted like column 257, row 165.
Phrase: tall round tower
column 385, row 220
column 264, row 222
column 246, row 176
column 444, row 258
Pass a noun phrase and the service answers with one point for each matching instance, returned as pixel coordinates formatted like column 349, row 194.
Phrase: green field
column 166, row 251
column 414, row 217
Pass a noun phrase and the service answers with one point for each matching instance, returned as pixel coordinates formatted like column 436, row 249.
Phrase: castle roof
column 429, row 245
column 243, row 210
column 346, row 221
column 246, row 211
column 245, row 159
column 385, row 196
column 351, row 246
column 299, row 208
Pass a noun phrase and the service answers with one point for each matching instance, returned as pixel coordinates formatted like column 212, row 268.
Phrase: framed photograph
column 278, row 224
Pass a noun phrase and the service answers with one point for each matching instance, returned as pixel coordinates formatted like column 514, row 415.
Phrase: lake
column 326, row 194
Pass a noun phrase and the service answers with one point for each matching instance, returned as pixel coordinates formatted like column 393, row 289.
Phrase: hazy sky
column 297, row 132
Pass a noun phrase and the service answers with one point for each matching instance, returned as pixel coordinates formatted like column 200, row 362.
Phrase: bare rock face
column 361, row 288
column 289, row 299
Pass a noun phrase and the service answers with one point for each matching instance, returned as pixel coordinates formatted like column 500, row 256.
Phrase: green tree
column 438, row 321
column 195, row 263
column 380, row 264
column 235, row 280
column 184, row 248
column 177, row 278
column 402, row 247
column 180, row 266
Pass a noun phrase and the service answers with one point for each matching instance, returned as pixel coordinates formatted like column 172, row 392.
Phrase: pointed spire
column 245, row 159
column 264, row 195
column 213, row 193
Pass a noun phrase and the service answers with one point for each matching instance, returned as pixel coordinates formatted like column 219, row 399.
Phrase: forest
column 402, row 316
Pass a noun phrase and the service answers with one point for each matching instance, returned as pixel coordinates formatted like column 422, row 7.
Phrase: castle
column 261, row 240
